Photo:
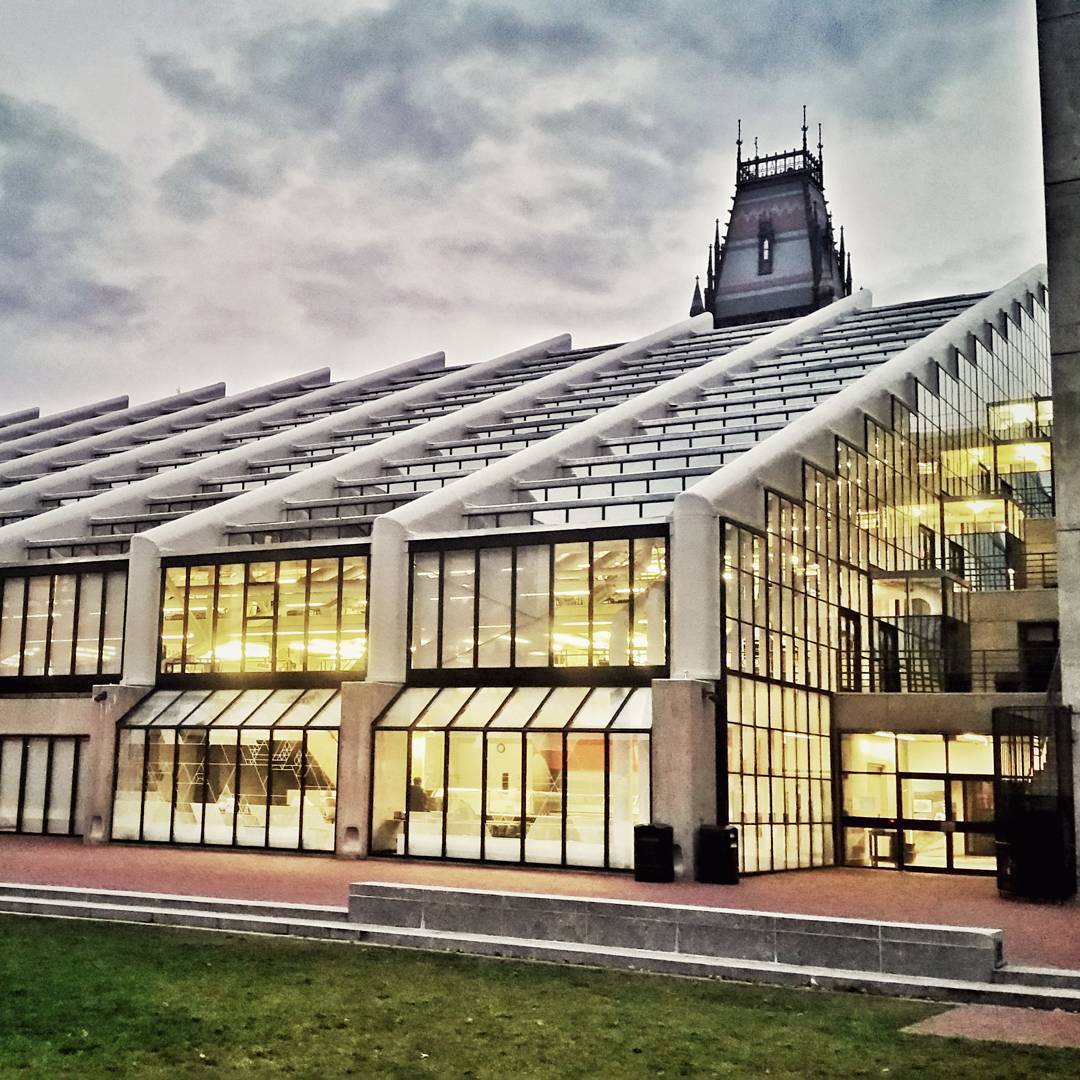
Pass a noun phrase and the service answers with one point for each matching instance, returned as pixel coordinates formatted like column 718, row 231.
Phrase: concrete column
column 141, row 643
column 111, row 704
column 684, row 761
column 694, row 573
column 361, row 703
column 1059, row 62
column 388, row 615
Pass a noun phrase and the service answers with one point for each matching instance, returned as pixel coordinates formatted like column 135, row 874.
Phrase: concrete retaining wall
column 850, row 944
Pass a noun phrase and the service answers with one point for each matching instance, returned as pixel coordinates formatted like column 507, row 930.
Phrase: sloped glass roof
column 504, row 708
column 238, row 708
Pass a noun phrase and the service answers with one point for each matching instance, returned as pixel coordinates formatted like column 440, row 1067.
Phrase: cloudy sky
column 195, row 190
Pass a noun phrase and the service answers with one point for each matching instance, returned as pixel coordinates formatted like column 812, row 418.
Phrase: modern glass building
column 775, row 565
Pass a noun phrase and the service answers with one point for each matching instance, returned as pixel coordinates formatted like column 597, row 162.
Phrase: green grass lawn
column 92, row 999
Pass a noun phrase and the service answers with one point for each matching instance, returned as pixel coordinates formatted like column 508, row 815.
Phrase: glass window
column 389, row 785
column 425, row 610
column 284, row 781
column 36, row 625
column 320, row 790
column 585, row 791
column 62, row 631
column 463, row 795
column 532, row 636
column 502, row 841
column 571, row 641
column 127, row 803
column 426, row 794
column 11, row 624
column 495, row 593
column 157, row 802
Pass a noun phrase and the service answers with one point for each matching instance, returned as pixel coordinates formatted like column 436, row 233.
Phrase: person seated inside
column 417, row 798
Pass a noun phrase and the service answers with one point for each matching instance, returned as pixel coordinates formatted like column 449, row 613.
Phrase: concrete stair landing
column 940, row 963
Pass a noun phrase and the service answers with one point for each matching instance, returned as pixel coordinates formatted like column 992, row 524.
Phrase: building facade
column 776, row 565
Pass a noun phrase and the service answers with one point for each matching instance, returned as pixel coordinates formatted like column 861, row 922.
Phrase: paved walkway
column 999, row 1023
column 1046, row 935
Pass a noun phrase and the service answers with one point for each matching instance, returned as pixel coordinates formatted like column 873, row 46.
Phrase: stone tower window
column 765, row 248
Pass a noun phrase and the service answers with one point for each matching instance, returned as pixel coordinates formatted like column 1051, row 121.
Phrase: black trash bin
column 654, row 852
column 718, row 855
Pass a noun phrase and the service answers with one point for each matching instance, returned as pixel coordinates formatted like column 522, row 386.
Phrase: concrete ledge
column 942, row 952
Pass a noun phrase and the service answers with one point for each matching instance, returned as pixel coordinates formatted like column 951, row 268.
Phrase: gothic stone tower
column 778, row 258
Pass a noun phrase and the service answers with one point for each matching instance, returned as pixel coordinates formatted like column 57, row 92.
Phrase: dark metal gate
column 1033, row 795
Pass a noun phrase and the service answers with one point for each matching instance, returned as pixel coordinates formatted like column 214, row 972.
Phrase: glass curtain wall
column 797, row 596
column 41, row 782
column 62, row 624
column 522, row 775
column 290, row 616
column 599, row 602
column 233, row 768
column 918, row 801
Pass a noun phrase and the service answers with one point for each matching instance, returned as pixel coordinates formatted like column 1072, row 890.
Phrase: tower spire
column 804, row 129
column 847, row 276
column 841, row 256
column 697, row 305
column 710, row 279
column 738, row 149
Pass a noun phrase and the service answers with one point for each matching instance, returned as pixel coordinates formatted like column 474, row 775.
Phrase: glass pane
column 871, row 847
column 502, row 841
column 407, row 706
column 650, row 602
column 11, row 752
column 320, row 791
column 149, row 707
column 637, row 712
column 241, row 707
column 921, row 753
column 611, row 603
column 628, row 780
column 870, row 795
column 496, row 579
column 570, row 641
column 173, row 602
column 868, row 753
column 308, row 708
column 543, row 797
column 459, row 583
column 211, row 708
column 445, row 707
column 322, row 640
column 463, row 796
column 37, row 624
column 199, row 640
column 129, row 777
column 273, row 708
column 157, row 810
column 971, row 754
column 585, row 800
column 229, row 618
column 251, row 782
column 531, row 600
column 260, row 614
column 974, row 851
column 190, row 778
column 600, row 707
column 178, row 710
column 482, row 706
column 521, row 704
column 973, row 800
column 329, row 716
column 220, row 810
column 389, row 784
column 291, row 647
column 560, row 705
column 62, row 637
column 354, row 614
column 11, row 610
column 923, row 800
column 34, row 781
column 112, row 642
column 425, row 609
column 925, row 848
column 286, row 767
column 424, row 799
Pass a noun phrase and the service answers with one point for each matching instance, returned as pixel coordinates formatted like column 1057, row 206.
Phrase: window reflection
column 259, row 617
column 529, row 782
column 589, row 603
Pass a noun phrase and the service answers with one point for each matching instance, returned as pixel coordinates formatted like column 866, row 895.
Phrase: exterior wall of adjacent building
column 1059, row 60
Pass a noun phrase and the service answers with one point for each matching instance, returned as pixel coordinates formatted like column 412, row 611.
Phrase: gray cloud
column 60, row 196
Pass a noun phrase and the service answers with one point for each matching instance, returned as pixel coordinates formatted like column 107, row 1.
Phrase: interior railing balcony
column 979, row 671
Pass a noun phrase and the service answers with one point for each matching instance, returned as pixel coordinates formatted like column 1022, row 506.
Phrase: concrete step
column 1043, row 988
